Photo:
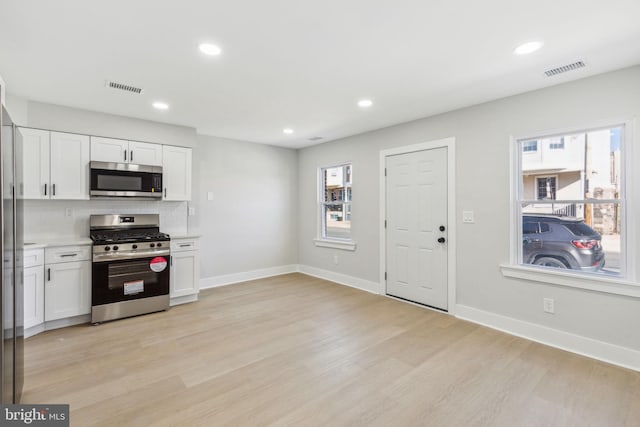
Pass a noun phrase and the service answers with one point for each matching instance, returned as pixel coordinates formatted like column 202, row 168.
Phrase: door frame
column 449, row 144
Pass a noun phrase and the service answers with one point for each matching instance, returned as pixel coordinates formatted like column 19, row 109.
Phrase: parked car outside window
column 560, row 242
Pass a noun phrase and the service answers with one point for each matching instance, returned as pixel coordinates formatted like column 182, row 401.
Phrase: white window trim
column 328, row 242
column 627, row 285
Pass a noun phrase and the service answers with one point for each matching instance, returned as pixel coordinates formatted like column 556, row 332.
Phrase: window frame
column 624, row 284
column 322, row 240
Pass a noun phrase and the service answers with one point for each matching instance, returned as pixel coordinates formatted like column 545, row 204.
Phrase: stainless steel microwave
column 125, row 180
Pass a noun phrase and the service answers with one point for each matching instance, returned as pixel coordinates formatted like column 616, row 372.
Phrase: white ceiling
column 302, row 64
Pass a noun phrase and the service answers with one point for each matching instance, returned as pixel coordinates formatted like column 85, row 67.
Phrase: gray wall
column 251, row 222
column 482, row 184
column 67, row 119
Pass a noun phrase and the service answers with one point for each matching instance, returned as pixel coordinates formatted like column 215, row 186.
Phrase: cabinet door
column 145, row 153
column 109, row 150
column 69, row 166
column 67, row 290
column 35, row 154
column 33, row 296
column 176, row 172
column 185, row 273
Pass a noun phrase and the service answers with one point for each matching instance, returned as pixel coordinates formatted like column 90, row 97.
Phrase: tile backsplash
column 53, row 219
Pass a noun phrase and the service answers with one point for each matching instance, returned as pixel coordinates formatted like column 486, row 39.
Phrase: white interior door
column 416, row 236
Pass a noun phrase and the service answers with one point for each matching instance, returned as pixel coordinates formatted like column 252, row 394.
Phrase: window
column 546, row 188
column 529, row 146
column 335, row 202
column 556, row 143
column 572, row 220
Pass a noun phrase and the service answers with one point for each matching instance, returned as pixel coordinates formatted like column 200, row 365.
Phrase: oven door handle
column 128, row 255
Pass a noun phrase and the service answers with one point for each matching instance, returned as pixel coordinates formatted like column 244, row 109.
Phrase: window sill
column 592, row 282
column 345, row 245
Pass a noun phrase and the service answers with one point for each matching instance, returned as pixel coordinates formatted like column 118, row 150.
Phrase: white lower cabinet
column 67, row 286
column 33, row 296
column 185, row 270
column 33, row 287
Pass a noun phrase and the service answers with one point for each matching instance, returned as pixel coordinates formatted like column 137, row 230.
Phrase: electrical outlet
column 548, row 305
column 68, row 212
column 192, row 211
column 467, row 217
column 336, row 261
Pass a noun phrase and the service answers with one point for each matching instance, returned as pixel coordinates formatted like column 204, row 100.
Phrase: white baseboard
column 183, row 299
column 229, row 279
column 606, row 352
column 342, row 279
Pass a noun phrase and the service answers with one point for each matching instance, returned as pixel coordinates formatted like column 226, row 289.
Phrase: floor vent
column 315, row 138
column 124, row 87
column 569, row 67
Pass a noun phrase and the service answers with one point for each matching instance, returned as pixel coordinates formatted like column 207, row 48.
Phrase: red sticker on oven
column 158, row 264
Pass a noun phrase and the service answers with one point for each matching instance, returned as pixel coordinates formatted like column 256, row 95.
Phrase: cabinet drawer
column 33, row 258
column 67, row 254
column 180, row 245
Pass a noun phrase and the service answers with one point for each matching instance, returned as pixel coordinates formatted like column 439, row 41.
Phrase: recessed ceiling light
column 160, row 105
column 210, row 49
column 528, row 47
column 365, row 103
column 288, row 131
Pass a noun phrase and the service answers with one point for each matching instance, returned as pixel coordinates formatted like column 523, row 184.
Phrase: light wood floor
column 296, row 351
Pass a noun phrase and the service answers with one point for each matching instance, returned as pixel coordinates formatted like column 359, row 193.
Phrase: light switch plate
column 467, row 217
column 210, row 195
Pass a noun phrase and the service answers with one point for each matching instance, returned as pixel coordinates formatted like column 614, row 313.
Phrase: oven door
column 125, row 180
column 130, row 279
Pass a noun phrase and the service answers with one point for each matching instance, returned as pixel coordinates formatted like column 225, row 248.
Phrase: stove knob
column 115, row 248
column 134, row 246
column 159, row 244
column 106, row 248
column 153, row 245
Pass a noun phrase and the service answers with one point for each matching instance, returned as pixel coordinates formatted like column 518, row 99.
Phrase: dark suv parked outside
column 560, row 242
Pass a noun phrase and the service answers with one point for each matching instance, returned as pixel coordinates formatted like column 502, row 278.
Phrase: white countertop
column 184, row 236
column 44, row 242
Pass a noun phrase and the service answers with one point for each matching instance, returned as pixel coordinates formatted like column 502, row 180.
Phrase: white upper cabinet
column 35, row 152
column 69, row 166
column 56, row 165
column 109, row 150
column 145, row 153
column 123, row 151
column 176, row 173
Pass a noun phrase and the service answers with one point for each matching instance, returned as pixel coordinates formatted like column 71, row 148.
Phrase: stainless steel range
column 131, row 266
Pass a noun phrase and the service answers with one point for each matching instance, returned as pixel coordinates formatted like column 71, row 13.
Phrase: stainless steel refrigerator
column 12, row 241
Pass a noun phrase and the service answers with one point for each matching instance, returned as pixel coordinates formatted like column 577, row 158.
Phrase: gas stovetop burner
column 128, row 237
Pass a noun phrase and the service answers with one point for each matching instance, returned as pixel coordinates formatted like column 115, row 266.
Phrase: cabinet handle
column 48, row 274
column 125, row 155
column 186, row 245
column 45, row 189
column 165, row 192
column 131, row 157
column 67, row 255
column 53, row 189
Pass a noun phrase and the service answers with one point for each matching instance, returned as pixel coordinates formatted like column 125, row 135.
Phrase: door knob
column 442, row 228
column 441, row 240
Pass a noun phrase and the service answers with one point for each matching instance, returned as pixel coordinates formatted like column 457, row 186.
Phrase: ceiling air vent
column 124, row 87
column 315, row 138
column 559, row 70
